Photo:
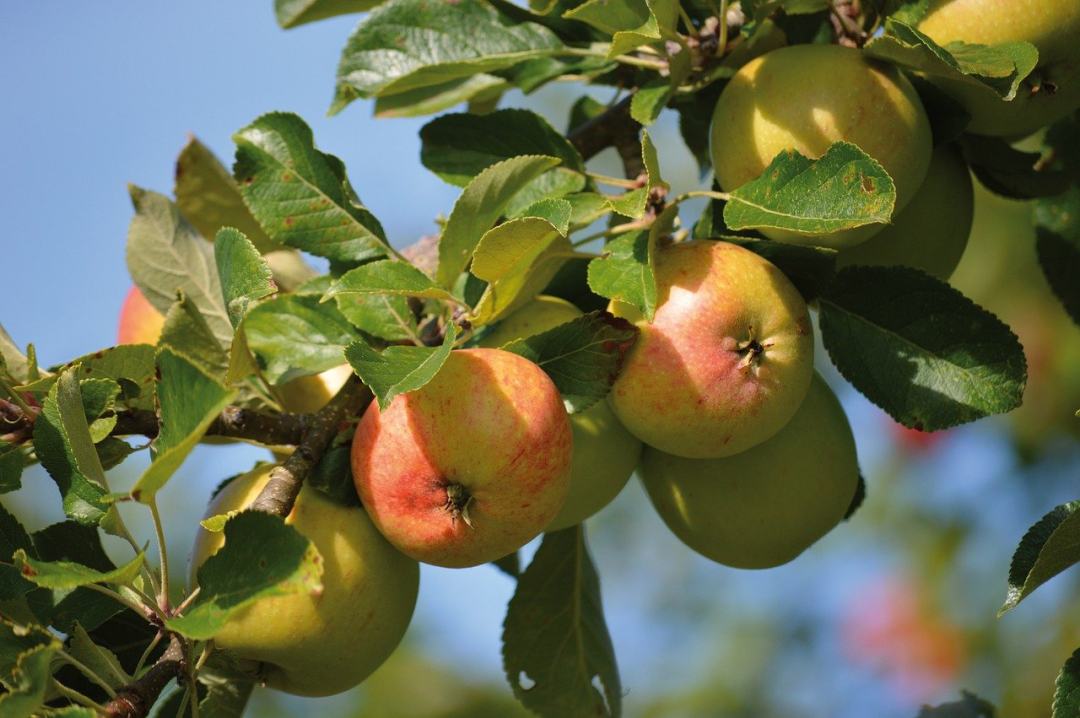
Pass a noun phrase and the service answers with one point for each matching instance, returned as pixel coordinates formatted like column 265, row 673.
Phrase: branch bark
column 612, row 128
column 279, row 494
column 136, row 699
column 234, row 422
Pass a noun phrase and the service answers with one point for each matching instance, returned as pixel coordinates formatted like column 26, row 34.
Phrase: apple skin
column 686, row 387
column 1053, row 27
column 765, row 506
column 780, row 101
column 470, row 467
column 141, row 323
column 605, row 453
column 321, row 643
column 932, row 232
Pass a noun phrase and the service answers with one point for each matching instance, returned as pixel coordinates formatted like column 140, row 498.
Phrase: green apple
column 470, row 467
column 932, row 232
column 807, row 97
column 321, row 643
column 605, row 453
column 765, row 506
column 1052, row 92
column 727, row 358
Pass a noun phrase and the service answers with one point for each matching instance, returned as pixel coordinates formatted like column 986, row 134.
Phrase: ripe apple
column 141, row 323
column 726, row 360
column 1052, row 92
column 807, row 97
column 932, row 232
column 471, row 466
column 321, row 643
column 605, row 453
column 767, row 505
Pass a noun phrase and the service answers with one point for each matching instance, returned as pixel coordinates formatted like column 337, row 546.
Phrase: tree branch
column 612, row 128
column 136, row 699
column 234, row 422
column 279, row 494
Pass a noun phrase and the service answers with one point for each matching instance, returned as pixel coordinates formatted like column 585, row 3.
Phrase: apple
column 932, row 232
column 1053, row 90
column 605, row 453
column 765, row 506
column 141, row 323
column 470, row 467
column 726, row 360
column 807, row 97
column 318, row 644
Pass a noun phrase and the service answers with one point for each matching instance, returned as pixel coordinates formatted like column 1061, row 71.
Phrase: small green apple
column 1052, row 92
column 932, row 232
column 605, row 453
column 765, row 506
column 807, row 97
column 727, row 358
column 470, row 467
column 324, row 643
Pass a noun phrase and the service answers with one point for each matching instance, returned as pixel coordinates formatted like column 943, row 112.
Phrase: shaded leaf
column 187, row 334
column 295, row 335
column 244, row 275
column 436, row 98
column 556, row 645
column 97, row 658
column 388, row 276
column 1010, row 172
column 969, row 706
column 920, row 350
column 291, row 13
column 262, row 557
column 1057, row 244
column 1048, row 548
column 130, row 365
column 1067, row 689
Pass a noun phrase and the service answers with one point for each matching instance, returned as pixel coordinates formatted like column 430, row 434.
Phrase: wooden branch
column 136, row 699
column 612, row 128
column 279, row 494
column 234, row 422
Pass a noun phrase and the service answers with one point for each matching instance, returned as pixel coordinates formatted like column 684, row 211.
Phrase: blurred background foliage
column 894, row 609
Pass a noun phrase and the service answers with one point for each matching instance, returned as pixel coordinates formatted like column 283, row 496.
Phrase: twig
column 279, row 494
column 135, row 699
column 612, row 128
column 234, row 422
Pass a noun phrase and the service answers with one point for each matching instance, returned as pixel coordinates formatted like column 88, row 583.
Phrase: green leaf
column 582, row 356
column 480, row 204
column 810, row 269
column 517, row 259
column 64, row 446
column 1048, row 548
column 12, row 358
column 187, row 334
column 13, row 537
column 97, row 658
column 969, row 706
column 1010, row 172
column 1057, row 242
column 919, row 349
column 227, row 691
column 69, row 574
column 190, row 400
column 165, row 255
column 291, row 13
column 1067, row 689
column 12, row 463
column 1000, row 67
column 559, row 212
column 383, row 316
column 436, row 98
column 398, row 369
column 130, row 365
column 650, row 99
column 409, row 44
column 844, row 188
column 388, row 276
column 262, row 557
column 300, row 195
column 631, row 23
column 99, row 404
column 458, row 147
column 244, row 275
column 16, row 640
column 28, row 683
column 210, row 199
column 633, row 203
column 625, row 272
column 555, row 640
column 295, row 336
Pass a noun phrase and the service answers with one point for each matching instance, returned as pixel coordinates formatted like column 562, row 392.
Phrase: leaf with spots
column 557, row 653
column 130, row 365
column 262, row 557
column 843, row 189
column 70, row 574
column 919, row 349
column 301, row 196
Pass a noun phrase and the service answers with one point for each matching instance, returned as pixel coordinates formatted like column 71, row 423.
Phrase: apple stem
column 457, row 503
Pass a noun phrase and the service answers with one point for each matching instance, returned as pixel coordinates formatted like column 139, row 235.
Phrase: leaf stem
column 73, row 695
column 610, row 232
column 623, row 59
column 723, row 196
column 614, row 181
column 86, row 671
column 163, row 555
column 138, row 608
column 721, row 44
column 146, row 654
column 16, row 398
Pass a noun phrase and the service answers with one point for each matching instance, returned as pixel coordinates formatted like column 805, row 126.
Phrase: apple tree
column 452, row 400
